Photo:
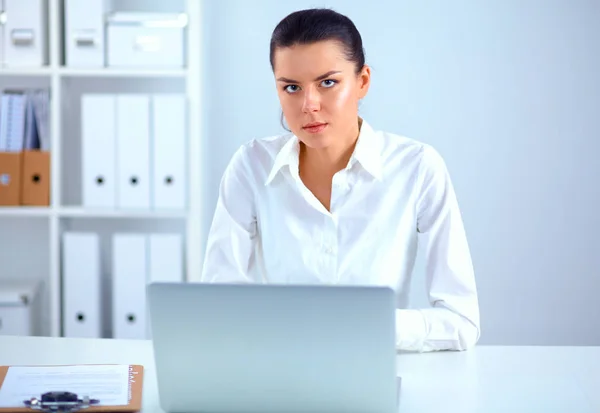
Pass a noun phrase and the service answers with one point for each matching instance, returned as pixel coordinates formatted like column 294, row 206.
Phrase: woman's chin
column 315, row 140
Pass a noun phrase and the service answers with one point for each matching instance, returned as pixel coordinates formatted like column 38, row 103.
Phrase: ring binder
column 60, row 401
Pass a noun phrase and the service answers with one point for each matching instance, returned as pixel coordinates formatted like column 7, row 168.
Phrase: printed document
column 107, row 383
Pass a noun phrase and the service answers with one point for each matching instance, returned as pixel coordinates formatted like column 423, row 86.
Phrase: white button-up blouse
column 269, row 228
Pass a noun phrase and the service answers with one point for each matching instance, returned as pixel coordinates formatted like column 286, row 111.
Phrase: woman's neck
column 327, row 161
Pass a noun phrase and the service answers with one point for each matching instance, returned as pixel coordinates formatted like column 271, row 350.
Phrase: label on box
column 4, row 179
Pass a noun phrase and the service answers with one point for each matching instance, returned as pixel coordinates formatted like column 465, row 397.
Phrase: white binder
column 81, row 285
column 98, row 151
column 84, row 32
column 133, row 151
column 129, row 286
column 169, row 148
column 166, row 258
column 25, row 33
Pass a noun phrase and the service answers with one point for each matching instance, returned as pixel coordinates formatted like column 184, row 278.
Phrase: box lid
column 147, row 19
column 17, row 292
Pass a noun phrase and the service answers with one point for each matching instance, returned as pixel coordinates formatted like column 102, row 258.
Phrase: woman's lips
column 315, row 127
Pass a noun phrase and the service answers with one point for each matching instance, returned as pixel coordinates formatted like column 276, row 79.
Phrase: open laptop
column 239, row 348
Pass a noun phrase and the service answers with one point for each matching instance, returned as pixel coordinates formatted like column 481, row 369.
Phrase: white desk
column 485, row 379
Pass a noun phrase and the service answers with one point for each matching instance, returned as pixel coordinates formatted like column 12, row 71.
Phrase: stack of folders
column 137, row 259
column 134, row 151
column 24, row 148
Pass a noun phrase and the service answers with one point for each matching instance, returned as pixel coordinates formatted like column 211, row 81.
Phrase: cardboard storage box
column 25, row 178
column 10, row 178
column 35, row 178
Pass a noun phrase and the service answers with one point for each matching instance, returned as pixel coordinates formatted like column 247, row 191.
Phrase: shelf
column 26, row 71
column 39, row 230
column 113, row 72
column 100, row 72
column 99, row 213
column 74, row 212
column 25, row 211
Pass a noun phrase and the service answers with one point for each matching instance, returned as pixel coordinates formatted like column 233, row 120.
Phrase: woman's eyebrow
column 326, row 75
column 321, row 77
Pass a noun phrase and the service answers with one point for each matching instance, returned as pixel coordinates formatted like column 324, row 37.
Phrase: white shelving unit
column 30, row 237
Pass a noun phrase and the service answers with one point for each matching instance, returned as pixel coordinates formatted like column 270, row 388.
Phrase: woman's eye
column 329, row 82
column 291, row 88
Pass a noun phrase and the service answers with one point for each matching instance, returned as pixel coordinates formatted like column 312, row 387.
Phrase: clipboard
column 135, row 381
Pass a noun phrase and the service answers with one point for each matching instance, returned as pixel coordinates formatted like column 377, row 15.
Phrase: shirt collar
column 287, row 155
column 367, row 153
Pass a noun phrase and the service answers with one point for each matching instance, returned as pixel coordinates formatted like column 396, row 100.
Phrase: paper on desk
column 107, row 383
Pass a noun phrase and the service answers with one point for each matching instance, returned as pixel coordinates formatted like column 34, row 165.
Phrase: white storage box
column 18, row 308
column 84, row 32
column 147, row 40
column 25, row 33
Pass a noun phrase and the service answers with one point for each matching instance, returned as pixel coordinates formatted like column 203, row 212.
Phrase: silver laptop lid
column 273, row 348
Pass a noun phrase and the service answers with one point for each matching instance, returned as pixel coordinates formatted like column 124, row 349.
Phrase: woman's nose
column 311, row 102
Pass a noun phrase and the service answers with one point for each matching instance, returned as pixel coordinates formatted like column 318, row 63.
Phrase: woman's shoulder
column 394, row 144
column 257, row 155
column 265, row 148
column 403, row 150
column 270, row 143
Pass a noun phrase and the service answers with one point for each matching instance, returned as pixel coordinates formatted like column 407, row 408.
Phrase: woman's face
column 319, row 91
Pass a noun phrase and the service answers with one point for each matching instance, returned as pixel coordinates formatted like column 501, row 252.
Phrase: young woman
column 338, row 202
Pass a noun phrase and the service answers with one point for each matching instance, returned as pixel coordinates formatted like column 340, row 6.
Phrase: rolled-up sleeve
column 453, row 321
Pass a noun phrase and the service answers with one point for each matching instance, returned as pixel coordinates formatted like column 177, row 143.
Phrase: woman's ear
column 364, row 81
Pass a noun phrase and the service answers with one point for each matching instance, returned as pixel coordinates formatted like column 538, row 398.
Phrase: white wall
column 508, row 92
